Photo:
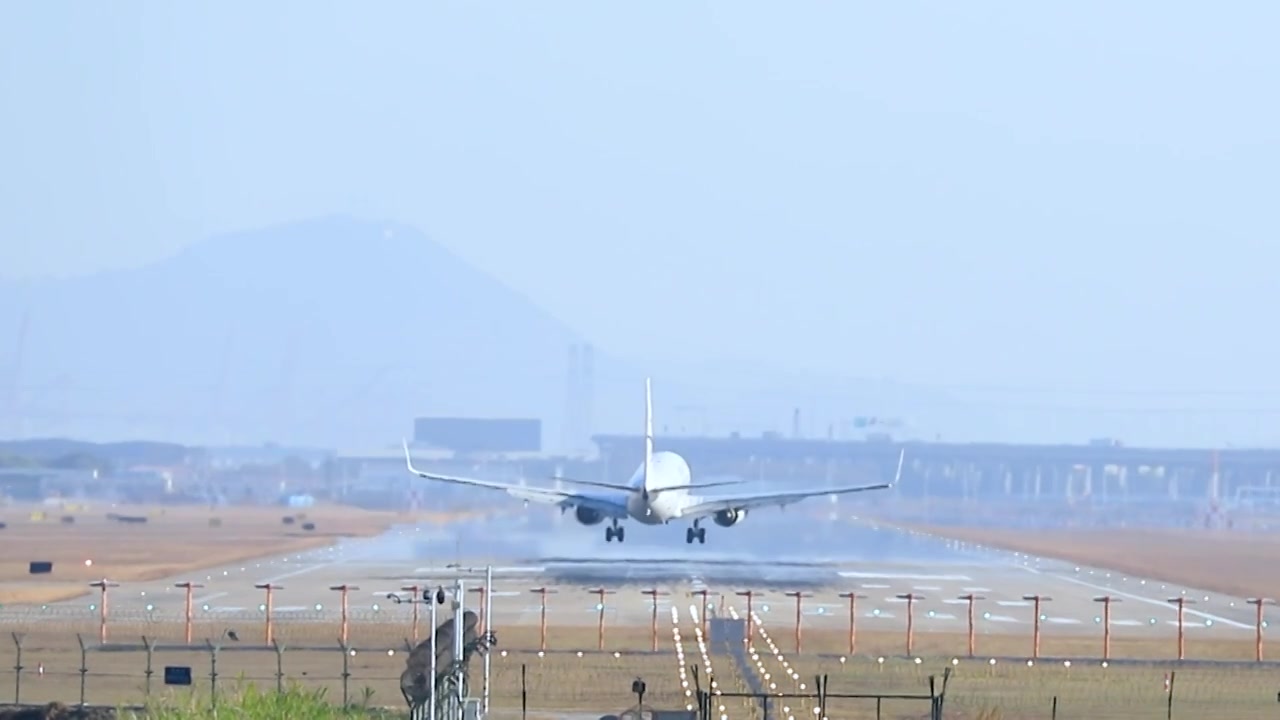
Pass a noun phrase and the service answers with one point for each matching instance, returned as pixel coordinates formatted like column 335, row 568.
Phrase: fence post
column 150, row 646
column 524, row 694
column 213, row 673
column 275, row 645
column 84, row 665
column 17, row 668
column 1173, row 674
column 347, row 652
column 1054, row 708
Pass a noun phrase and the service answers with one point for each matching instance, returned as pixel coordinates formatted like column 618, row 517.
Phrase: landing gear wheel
column 608, row 534
column 688, row 536
column 702, row 536
column 621, row 534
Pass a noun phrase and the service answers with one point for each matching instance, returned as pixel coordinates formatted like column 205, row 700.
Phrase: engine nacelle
column 587, row 516
column 729, row 518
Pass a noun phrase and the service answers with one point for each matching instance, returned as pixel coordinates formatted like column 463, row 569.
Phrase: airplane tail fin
column 648, row 432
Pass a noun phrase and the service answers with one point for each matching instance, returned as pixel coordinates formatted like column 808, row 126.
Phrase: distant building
column 478, row 436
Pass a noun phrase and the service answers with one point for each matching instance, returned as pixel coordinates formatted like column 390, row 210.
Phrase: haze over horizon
column 1056, row 217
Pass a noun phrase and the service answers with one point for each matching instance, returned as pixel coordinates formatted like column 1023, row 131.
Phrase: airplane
column 660, row 491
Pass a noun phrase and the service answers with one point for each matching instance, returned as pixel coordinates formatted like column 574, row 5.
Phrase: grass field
column 1234, row 563
column 171, row 542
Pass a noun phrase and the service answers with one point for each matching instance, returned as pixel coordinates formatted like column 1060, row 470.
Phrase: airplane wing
column 710, row 506
column 549, row 496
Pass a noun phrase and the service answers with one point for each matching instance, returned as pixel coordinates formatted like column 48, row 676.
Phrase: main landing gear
column 615, row 531
column 696, row 532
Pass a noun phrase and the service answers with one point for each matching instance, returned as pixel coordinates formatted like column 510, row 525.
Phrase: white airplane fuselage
column 668, row 485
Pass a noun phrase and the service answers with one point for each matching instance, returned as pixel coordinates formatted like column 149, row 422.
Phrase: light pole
column 799, row 595
column 853, row 617
column 1258, row 624
column 189, row 613
column 103, row 584
column 1181, row 602
column 1106, row 601
column 972, row 635
column 911, row 598
column 1035, row 628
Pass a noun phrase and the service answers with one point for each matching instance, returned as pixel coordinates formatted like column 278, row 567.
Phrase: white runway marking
column 295, row 573
column 1013, row 603
column 1150, row 601
column 955, row 601
column 874, row 586
column 881, row 615
column 926, row 587
column 496, row 570
column 900, row 576
column 976, row 589
column 1003, row 619
column 942, row 616
column 1129, row 623
column 1063, row 621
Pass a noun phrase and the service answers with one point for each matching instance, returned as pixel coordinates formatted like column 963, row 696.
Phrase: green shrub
column 251, row 703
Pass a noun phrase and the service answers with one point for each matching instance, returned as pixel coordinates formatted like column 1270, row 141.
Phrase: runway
column 767, row 557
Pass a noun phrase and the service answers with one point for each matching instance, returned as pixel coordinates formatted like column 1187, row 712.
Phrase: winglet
column 898, row 475
column 408, row 461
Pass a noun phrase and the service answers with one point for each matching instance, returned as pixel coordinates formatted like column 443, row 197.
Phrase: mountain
column 333, row 330
column 337, row 332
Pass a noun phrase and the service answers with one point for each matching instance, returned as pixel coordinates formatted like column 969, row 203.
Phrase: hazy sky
column 1070, row 195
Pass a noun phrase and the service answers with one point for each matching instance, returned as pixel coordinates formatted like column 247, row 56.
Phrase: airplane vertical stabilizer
column 648, row 433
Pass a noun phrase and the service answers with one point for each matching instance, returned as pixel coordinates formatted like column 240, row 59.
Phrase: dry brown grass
column 564, row 680
column 171, row 542
column 1234, row 563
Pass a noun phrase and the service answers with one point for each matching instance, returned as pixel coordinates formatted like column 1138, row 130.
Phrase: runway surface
column 770, row 556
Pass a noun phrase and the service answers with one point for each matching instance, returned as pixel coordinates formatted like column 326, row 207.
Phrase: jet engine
column 587, row 516
column 729, row 518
